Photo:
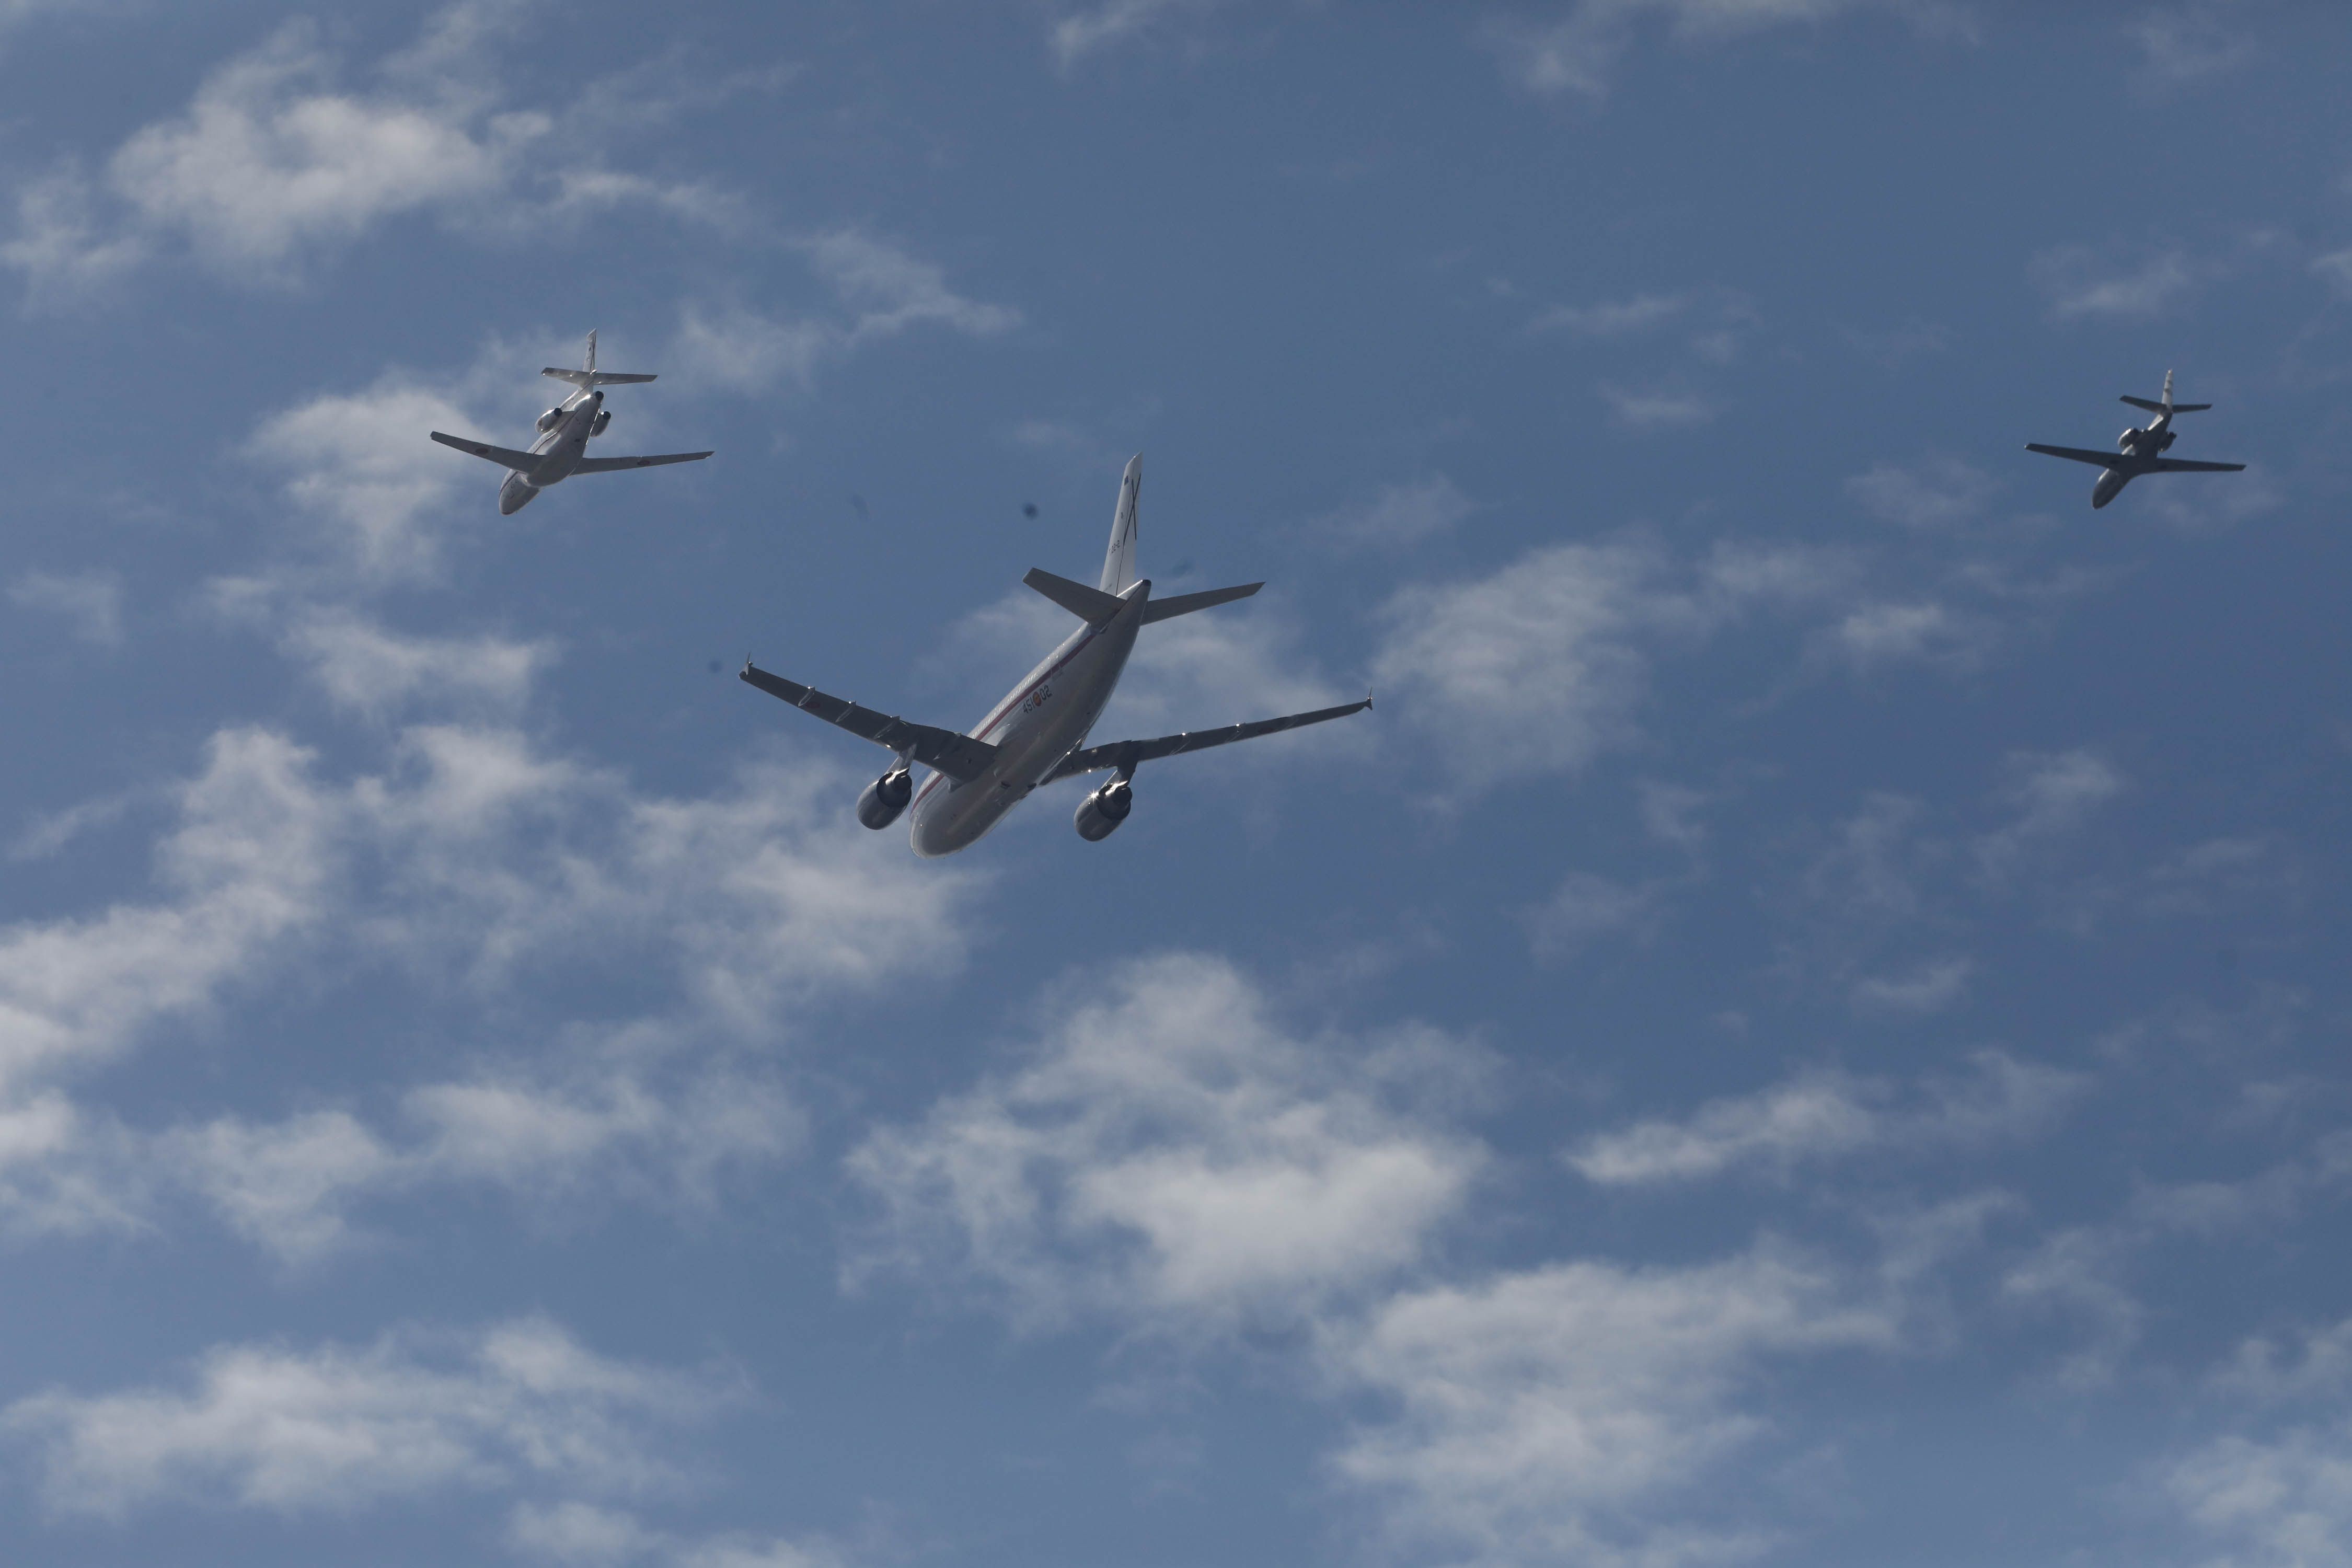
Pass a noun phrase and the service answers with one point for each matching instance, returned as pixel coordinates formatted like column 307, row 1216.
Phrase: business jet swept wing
column 960, row 757
column 2082, row 455
column 504, row 457
column 595, row 377
column 1125, row 754
column 614, row 465
column 2190, row 466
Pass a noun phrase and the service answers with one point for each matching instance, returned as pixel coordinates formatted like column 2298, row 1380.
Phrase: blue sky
column 1806, row 1028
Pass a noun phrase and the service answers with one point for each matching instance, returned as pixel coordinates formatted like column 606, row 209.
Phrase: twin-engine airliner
column 1038, row 734
column 561, row 448
column 2139, row 450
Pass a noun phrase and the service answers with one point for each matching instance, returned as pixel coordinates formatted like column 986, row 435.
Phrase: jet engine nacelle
column 885, row 798
column 2170, row 437
column 604, row 418
column 2129, row 438
column 1101, row 812
column 547, row 420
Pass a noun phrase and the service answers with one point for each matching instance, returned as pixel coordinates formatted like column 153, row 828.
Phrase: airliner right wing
column 2081, row 455
column 960, row 757
column 614, row 465
column 1126, row 754
column 504, row 457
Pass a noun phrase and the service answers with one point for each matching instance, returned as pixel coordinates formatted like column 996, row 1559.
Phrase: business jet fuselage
column 561, row 448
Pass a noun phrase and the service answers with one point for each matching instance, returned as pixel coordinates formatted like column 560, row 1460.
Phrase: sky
column 1807, row 1026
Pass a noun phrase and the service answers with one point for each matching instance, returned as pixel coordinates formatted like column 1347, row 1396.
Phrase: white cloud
column 289, row 1187
column 2079, row 282
column 247, row 866
column 1929, row 988
column 360, row 466
column 1873, row 636
column 1580, row 52
column 580, row 1535
column 736, row 349
column 1572, row 1413
column 1541, row 667
column 887, row 291
column 1397, row 515
column 269, row 157
column 1082, row 34
column 583, row 1535
column 2317, row 1368
column 881, row 292
column 2205, row 505
column 474, row 861
column 1669, row 814
column 334, row 1429
column 1171, row 1153
column 1655, row 410
column 275, row 160
column 282, row 1186
column 1938, row 493
column 1614, row 319
column 2085, row 1270
column 2285, row 1502
column 91, row 602
column 2336, row 269
column 1830, row 1115
column 2188, row 43
column 1585, row 907
column 374, row 671
column 1870, row 874
column 2053, row 794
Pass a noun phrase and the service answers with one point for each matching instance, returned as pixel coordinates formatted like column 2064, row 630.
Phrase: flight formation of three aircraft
column 1037, row 733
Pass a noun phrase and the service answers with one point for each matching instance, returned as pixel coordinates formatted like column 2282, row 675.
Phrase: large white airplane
column 1037, row 733
column 561, row 448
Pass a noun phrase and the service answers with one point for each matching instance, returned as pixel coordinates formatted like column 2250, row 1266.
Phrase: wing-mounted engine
column 547, row 420
column 879, row 805
column 604, row 418
column 1103, row 810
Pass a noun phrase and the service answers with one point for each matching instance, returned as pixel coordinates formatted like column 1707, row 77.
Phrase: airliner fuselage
column 1040, row 722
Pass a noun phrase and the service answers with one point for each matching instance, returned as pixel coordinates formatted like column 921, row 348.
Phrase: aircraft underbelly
column 1055, row 711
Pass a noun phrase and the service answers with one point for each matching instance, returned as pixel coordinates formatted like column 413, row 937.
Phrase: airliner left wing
column 1125, row 754
column 960, row 757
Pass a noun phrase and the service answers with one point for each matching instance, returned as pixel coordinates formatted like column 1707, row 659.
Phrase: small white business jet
column 1037, row 733
column 2139, row 450
column 562, row 449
